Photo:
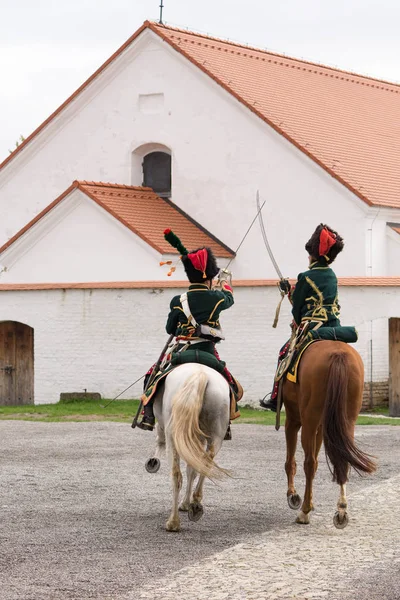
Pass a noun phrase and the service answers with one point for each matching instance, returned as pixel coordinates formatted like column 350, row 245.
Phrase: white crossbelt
column 186, row 309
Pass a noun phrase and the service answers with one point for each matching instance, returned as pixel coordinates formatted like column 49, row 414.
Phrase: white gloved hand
column 225, row 276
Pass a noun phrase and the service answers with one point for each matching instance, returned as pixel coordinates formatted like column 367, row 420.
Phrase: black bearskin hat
column 325, row 243
column 199, row 265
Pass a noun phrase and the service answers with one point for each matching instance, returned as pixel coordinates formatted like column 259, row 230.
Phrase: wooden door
column 394, row 367
column 16, row 363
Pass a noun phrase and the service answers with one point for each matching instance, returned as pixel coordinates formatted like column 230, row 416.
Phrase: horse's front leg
column 291, row 430
column 311, row 438
column 173, row 523
column 153, row 464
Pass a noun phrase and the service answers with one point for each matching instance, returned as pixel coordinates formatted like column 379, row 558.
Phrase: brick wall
column 375, row 394
column 103, row 339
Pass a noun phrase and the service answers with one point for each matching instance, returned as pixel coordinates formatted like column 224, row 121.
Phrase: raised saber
column 259, row 209
column 272, row 257
column 264, row 235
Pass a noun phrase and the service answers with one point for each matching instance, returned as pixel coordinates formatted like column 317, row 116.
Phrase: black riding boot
column 228, row 435
column 270, row 404
column 148, row 420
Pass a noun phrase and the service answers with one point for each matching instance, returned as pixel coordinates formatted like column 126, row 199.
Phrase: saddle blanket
column 191, row 356
column 291, row 374
column 339, row 334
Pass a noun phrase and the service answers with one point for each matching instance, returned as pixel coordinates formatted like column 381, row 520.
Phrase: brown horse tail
column 340, row 447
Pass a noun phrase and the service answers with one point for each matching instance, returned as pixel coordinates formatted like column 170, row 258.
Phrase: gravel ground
column 82, row 519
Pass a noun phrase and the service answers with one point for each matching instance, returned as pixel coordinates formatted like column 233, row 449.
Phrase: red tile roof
column 347, row 123
column 394, row 226
column 144, row 213
column 127, row 285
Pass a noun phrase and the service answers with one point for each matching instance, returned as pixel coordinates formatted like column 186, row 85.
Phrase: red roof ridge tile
column 121, row 186
column 285, row 57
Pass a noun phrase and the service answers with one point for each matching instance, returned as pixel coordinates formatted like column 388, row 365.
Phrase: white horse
column 192, row 418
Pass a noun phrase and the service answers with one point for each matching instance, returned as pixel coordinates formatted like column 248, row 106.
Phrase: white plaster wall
column 221, row 154
column 77, row 242
column 393, row 251
column 102, row 340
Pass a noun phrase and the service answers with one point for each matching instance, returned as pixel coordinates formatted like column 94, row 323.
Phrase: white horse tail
column 188, row 438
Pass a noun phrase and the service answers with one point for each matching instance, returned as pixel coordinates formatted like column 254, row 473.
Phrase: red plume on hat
column 199, row 260
column 327, row 239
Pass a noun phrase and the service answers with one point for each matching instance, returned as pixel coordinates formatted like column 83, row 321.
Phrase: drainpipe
column 369, row 273
column 371, row 381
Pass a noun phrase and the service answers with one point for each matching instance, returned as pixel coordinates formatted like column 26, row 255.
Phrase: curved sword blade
column 264, row 235
column 259, row 209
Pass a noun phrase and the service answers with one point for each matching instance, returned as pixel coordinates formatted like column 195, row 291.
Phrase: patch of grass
column 119, row 410
column 258, row 417
column 378, row 421
column 124, row 410
column 378, row 410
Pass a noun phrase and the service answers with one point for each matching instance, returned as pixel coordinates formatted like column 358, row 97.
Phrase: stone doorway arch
column 16, row 364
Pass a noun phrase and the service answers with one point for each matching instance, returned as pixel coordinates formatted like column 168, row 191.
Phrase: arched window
column 157, row 173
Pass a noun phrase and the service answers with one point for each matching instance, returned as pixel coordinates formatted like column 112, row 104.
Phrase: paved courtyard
column 82, row 519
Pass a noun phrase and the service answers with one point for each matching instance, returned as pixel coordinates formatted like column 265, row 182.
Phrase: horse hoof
column 303, row 519
column 184, row 507
column 173, row 526
column 196, row 511
column 340, row 521
column 294, row 501
column 152, row 465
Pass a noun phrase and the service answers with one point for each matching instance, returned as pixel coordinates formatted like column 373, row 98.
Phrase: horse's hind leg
column 341, row 518
column 173, row 523
column 310, row 441
column 190, row 477
column 291, row 430
column 196, row 509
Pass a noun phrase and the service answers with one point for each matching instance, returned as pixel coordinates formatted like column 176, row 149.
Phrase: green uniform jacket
column 205, row 306
column 315, row 296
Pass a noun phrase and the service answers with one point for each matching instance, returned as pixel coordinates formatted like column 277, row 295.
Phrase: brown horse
column 325, row 403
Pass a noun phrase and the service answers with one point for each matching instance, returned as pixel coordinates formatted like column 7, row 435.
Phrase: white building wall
column 221, row 154
column 102, row 340
column 393, row 251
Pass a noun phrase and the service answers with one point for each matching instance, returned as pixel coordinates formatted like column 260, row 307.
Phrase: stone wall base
column 375, row 395
column 67, row 397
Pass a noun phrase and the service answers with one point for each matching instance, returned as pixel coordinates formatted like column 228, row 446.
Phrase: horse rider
column 198, row 310
column 315, row 296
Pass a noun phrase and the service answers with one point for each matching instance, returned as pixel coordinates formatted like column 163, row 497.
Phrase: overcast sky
column 49, row 47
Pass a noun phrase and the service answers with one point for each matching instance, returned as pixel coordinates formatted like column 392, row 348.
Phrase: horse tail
column 340, row 447
column 188, row 438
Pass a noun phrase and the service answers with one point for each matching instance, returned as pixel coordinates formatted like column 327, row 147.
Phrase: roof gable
column 348, row 124
column 142, row 212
